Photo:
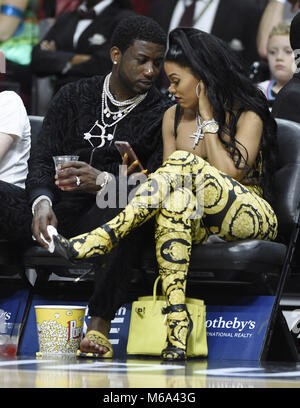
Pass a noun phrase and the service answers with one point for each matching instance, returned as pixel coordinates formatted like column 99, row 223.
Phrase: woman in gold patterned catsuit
column 219, row 156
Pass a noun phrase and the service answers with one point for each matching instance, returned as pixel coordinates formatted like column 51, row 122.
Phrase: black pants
column 120, row 280
column 15, row 214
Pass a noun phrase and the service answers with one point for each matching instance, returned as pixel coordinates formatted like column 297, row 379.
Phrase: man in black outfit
column 78, row 43
column 286, row 104
column 85, row 118
column 234, row 21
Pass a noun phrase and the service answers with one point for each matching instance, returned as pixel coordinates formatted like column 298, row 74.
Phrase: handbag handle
column 155, row 289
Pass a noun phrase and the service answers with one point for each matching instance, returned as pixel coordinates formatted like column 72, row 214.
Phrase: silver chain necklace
column 109, row 118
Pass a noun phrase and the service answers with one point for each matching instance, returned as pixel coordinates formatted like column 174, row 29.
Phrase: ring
column 78, row 181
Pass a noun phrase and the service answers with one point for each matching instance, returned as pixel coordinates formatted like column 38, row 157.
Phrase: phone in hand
column 124, row 147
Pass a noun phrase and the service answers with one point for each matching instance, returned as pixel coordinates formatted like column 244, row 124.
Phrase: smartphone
column 124, row 147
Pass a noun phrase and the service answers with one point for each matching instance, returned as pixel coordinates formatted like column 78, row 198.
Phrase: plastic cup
column 9, row 338
column 63, row 159
column 60, row 329
column 58, row 160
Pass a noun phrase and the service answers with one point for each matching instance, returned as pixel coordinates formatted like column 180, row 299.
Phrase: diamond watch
column 210, row 126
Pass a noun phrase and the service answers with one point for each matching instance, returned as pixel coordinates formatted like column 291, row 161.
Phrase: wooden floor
column 29, row 372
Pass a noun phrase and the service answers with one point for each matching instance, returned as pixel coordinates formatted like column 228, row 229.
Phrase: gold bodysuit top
column 254, row 175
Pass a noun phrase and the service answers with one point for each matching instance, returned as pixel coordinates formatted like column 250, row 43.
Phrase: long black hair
column 229, row 91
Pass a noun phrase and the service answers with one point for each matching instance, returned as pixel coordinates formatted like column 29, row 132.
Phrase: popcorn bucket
column 60, row 329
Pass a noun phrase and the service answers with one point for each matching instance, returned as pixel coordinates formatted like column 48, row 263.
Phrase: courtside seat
column 51, row 266
column 248, row 261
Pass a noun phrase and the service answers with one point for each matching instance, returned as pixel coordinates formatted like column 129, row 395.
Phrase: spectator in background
column 280, row 60
column 287, row 102
column 14, row 138
column 276, row 12
column 19, row 32
column 234, row 21
column 78, row 43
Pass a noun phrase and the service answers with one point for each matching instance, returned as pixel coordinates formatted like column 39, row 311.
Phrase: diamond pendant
column 197, row 136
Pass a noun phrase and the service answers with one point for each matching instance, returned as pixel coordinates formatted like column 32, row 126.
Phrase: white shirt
column 83, row 24
column 14, row 121
column 203, row 21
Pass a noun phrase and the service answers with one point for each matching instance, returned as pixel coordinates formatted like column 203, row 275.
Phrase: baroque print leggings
column 191, row 200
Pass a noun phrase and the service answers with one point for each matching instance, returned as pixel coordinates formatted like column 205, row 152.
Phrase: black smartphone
column 124, row 147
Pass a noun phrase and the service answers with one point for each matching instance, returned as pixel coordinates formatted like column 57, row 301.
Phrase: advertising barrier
column 235, row 332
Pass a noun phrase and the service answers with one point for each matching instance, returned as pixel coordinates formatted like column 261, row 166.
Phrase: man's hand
column 48, row 45
column 79, row 59
column 43, row 216
column 69, row 173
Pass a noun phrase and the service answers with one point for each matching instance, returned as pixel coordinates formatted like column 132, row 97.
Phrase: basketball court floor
column 30, row 372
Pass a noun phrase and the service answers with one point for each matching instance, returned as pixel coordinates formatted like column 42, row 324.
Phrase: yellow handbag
column 148, row 330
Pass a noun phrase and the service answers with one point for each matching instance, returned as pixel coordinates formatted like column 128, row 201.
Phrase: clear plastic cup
column 9, row 338
column 63, row 159
column 58, row 160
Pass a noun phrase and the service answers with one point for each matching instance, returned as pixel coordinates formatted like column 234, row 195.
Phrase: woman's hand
column 205, row 108
column 128, row 170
